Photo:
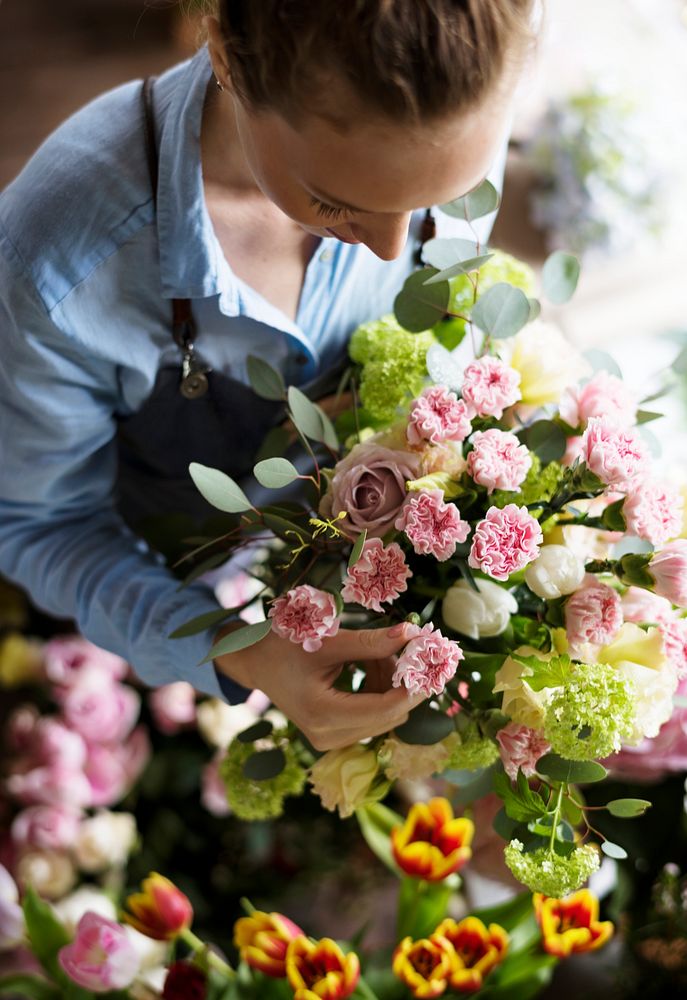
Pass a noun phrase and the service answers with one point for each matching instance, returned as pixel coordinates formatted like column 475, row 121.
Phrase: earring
column 219, row 85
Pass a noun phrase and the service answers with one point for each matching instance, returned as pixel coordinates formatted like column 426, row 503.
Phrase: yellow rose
column 344, row 779
column 547, row 362
column 520, row 702
column 634, row 645
column 20, row 660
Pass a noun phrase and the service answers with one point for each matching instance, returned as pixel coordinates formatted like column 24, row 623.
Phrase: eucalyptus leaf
column 212, row 562
column 219, row 489
column 265, row 380
column 442, row 253
column 628, row 808
column 357, row 548
column 535, row 309
column 275, row 473
column 460, row 267
column 602, row 361
column 418, row 306
column 646, row 416
column 570, row 771
column 560, row 275
column 202, row 622
column 679, row 365
column 425, row 726
column 612, row 850
column 443, row 367
column 265, row 764
column 501, row 311
column 274, row 444
column 475, row 204
column 258, row 731
column 546, row 439
column 241, row 638
column 306, row 415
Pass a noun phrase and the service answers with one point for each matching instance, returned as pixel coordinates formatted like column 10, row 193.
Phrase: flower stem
column 364, row 990
column 556, row 814
column 214, row 961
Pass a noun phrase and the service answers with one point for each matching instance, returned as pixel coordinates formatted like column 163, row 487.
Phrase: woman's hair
column 408, row 59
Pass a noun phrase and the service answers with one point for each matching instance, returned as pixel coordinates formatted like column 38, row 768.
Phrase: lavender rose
column 369, row 484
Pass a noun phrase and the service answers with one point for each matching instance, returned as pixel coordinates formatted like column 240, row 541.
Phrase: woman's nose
column 385, row 235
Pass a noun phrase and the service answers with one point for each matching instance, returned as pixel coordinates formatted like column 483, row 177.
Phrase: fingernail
column 396, row 630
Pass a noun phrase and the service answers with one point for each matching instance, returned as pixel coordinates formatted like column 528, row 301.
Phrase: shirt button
column 301, row 359
column 325, row 256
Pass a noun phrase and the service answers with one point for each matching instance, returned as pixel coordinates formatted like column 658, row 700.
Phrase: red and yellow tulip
column 571, row 924
column 160, row 911
column 425, row 966
column 262, row 940
column 432, row 843
column 477, row 949
column 319, row 970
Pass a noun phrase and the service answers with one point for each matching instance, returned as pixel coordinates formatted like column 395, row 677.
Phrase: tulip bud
column 161, row 911
column 478, row 613
column 556, row 571
column 262, row 940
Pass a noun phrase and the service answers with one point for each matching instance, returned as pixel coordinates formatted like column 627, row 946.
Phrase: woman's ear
column 217, row 51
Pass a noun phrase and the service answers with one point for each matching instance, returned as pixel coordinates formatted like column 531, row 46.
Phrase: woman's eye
column 325, row 210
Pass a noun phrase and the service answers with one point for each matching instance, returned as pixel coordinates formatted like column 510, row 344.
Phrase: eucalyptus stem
column 556, row 815
column 212, row 958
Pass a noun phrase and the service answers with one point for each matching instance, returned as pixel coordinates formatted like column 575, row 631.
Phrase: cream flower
column 411, row 762
column 51, row 873
column 634, row 645
column 343, row 778
column 520, row 702
column 219, row 723
column 556, row 571
column 546, row 361
column 478, row 613
column 105, row 840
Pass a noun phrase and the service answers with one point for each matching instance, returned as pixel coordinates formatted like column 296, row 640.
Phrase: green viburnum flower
column 592, row 714
column 539, row 484
column 255, row 800
column 382, row 339
column 551, row 873
column 473, row 751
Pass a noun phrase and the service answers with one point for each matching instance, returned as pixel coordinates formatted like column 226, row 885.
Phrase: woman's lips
column 338, row 236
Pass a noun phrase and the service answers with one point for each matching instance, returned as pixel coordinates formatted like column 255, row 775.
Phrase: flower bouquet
column 493, row 495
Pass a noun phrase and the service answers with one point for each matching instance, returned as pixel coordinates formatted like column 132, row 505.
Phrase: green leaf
column 202, row 622
column 521, row 803
column 219, row 489
column 258, row 731
column 274, row 444
column 443, row 367
column 570, row 771
column 501, row 311
column 421, row 907
column 628, row 808
column 546, row 439
column 555, row 672
column 417, row 306
column 275, row 473
column 265, row 380
column 441, row 253
column 376, row 822
column 203, row 567
column 612, row 850
column 285, row 528
column 460, row 267
column 310, row 419
column 357, row 549
column 535, row 309
column 46, row 936
column 265, row 764
column 560, row 275
column 28, row 987
column 475, row 204
column 602, row 361
column 679, row 365
column 425, row 726
column 242, row 638
column 646, row 416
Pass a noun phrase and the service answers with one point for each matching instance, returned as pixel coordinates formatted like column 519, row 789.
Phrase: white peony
column 478, row 615
column 105, row 840
column 555, row 572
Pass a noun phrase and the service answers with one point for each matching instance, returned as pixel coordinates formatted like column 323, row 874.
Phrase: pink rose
column 604, row 395
column 101, row 710
column 644, row 607
column 101, row 957
column 305, row 615
column 520, row 748
column 675, row 644
column 428, row 662
column 380, row 574
column 437, row 415
column 490, row 385
column 432, row 526
column 505, row 541
column 615, row 454
column 68, row 657
column 653, row 511
column 46, row 827
column 669, row 570
column 593, row 614
column 498, row 460
column 56, row 744
column 369, row 484
column 52, row 785
column 135, row 754
column 173, row 706
column 106, row 774
column 213, row 792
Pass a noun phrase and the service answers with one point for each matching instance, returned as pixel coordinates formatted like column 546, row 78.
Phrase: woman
column 263, row 198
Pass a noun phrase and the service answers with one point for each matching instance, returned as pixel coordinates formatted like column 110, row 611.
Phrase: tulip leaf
column 612, row 850
column 425, row 726
column 376, row 822
column 418, row 306
column 275, row 473
column 264, row 764
column 570, row 771
column 628, row 808
column 560, row 275
column 46, row 936
column 546, row 439
column 501, row 311
column 265, row 380
column 357, row 548
column 28, row 987
column 258, row 731
column 202, row 622
column 241, row 638
column 475, row 204
column 219, row 489
column 443, row 367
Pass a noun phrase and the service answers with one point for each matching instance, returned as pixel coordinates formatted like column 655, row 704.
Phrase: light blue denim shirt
column 87, row 270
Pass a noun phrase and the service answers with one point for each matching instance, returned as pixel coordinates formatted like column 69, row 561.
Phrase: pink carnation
column 573, row 451
column 505, row 541
column 46, row 827
column 305, row 615
column 643, row 607
column 669, row 570
column 653, row 511
column 380, row 574
column 593, row 614
column 433, row 527
column 675, row 644
column 498, row 460
column 604, row 395
column 490, row 385
column 437, row 415
column 615, row 454
column 521, row 748
column 427, row 663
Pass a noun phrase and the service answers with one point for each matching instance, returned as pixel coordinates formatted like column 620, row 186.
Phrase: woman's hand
column 301, row 684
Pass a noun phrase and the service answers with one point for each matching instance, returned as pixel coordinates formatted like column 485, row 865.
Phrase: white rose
column 105, row 840
column 556, row 571
column 547, row 362
column 219, row 723
column 50, row 873
column 478, row 615
column 72, row 908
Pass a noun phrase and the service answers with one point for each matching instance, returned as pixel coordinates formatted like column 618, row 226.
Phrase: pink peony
column 102, row 711
column 505, row 541
column 604, row 395
column 107, row 774
column 592, row 614
column 213, row 793
column 498, row 460
column 653, row 511
column 67, row 657
column 46, row 827
column 669, row 570
column 305, row 615
column 57, row 745
column 490, row 385
column 521, row 747
column 437, row 415
column 102, row 956
column 380, row 574
column 675, row 644
column 428, row 662
column 432, row 526
column 615, row 454
column 369, row 485
column 52, row 785
column 644, row 607
column 173, row 706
